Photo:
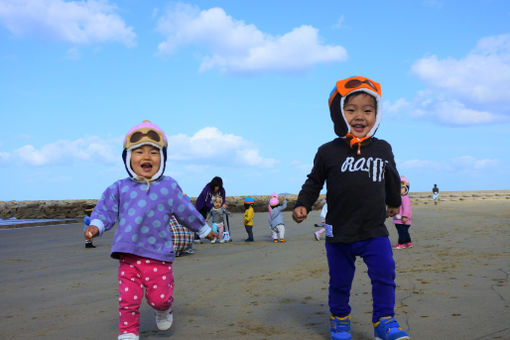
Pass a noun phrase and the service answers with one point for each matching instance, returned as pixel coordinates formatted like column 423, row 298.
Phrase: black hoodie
column 358, row 188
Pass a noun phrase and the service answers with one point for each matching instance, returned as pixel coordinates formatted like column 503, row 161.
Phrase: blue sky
column 241, row 90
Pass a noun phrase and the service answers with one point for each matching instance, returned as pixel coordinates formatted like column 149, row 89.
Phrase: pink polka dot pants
column 135, row 274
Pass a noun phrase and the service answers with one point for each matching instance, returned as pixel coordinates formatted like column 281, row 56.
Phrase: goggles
column 151, row 134
column 355, row 83
column 145, row 135
column 346, row 86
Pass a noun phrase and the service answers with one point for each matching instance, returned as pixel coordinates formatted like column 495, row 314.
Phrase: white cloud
column 91, row 149
column 470, row 163
column 468, row 91
column 236, row 47
column 453, row 165
column 397, row 107
column 207, row 147
column 4, row 157
column 76, row 22
column 210, row 146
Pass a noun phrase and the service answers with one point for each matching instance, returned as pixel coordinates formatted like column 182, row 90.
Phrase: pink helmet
column 274, row 201
column 405, row 181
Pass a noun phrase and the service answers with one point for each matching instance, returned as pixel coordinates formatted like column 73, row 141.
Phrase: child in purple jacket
column 142, row 204
column 402, row 220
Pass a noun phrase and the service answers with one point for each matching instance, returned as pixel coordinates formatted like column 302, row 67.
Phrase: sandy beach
column 454, row 284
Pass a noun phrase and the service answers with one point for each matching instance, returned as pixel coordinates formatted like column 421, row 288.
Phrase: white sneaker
column 164, row 319
column 128, row 336
column 317, row 236
column 223, row 241
column 213, row 241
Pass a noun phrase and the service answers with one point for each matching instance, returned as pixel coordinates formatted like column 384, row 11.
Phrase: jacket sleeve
column 223, row 195
column 200, row 203
column 283, row 206
column 405, row 209
column 313, row 185
column 392, row 182
column 106, row 212
column 188, row 215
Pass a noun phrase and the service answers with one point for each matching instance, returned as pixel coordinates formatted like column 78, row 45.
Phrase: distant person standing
column 402, row 220
column 248, row 217
column 217, row 217
column 435, row 194
column 276, row 223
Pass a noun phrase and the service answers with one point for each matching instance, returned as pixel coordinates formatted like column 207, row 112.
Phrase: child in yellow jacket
column 248, row 217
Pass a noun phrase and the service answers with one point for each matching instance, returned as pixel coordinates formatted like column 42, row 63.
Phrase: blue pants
column 403, row 233
column 378, row 256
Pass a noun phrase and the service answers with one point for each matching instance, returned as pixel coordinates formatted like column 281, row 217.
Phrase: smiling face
column 360, row 113
column 145, row 161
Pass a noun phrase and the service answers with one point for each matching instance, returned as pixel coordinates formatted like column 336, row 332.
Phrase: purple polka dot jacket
column 142, row 212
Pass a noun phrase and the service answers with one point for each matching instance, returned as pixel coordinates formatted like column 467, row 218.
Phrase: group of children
column 275, row 218
column 363, row 189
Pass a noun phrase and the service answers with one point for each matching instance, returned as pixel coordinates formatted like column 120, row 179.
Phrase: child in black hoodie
column 363, row 188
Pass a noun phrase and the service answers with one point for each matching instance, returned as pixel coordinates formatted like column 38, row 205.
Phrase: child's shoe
column 282, row 240
column 387, row 328
column 317, row 236
column 213, row 241
column 128, row 336
column 399, row 246
column 275, row 240
column 164, row 319
column 340, row 328
column 409, row 244
column 89, row 245
column 222, row 241
column 189, row 251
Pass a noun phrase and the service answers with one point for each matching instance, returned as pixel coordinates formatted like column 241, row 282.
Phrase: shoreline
column 75, row 209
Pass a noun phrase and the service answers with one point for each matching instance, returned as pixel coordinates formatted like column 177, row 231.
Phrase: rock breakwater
column 56, row 209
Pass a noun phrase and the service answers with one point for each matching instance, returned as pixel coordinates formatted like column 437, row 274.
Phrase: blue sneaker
column 340, row 327
column 387, row 328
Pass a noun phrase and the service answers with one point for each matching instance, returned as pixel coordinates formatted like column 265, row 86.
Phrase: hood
column 145, row 133
column 342, row 89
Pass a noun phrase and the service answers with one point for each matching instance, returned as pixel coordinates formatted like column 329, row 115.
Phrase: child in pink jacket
column 403, row 219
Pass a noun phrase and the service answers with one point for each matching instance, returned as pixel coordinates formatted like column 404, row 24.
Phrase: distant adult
column 205, row 200
column 435, row 193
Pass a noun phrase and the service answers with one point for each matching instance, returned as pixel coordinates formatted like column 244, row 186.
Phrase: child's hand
column 211, row 236
column 91, row 232
column 392, row 211
column 206, row 219
column 404, row 219
column 231, row 215
column 299, row 214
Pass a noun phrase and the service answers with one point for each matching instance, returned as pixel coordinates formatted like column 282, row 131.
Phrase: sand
column 454, row 284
